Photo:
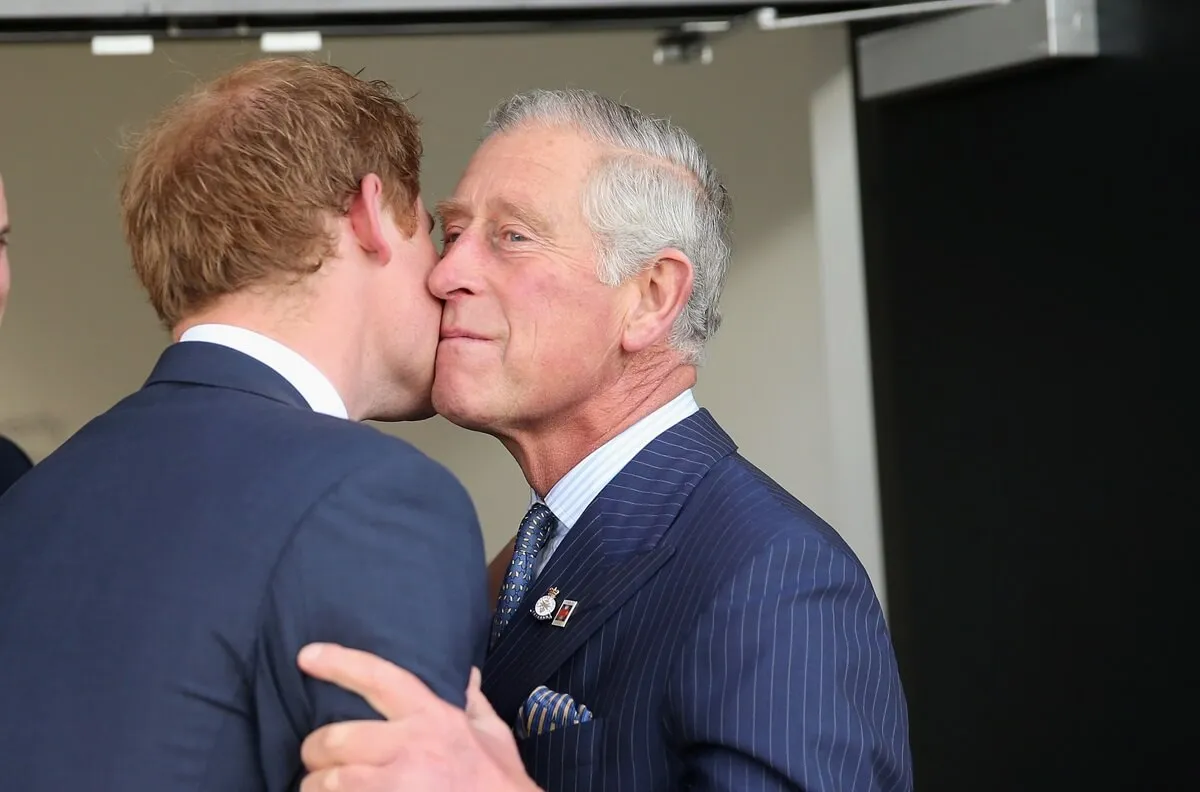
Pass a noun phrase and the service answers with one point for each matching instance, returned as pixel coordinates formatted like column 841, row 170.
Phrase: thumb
column 475, row 683
column 390, row 690
column 481, row 715
column 479, row 709
column 494, row 735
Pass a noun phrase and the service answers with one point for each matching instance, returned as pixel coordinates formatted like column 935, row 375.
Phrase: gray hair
column 658, row 191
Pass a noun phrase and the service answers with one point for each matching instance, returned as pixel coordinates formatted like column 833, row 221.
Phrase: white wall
column 853, row 464
column 79, row 335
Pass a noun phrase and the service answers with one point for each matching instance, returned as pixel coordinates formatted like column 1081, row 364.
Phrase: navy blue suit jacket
column 14, row 463
column 726, row 638
column 161, row 570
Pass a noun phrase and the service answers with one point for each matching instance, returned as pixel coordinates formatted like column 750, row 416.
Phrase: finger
column 478, row 707
column 390, row 690
column 475, row 681
column 372, row 743
column 493, row 735
column 352, row 779
column 480, row 712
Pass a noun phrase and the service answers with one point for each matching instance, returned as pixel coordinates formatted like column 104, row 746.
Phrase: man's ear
column 660, row 294
column 367, row 214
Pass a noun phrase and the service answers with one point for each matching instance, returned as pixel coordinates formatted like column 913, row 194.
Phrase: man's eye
column 514, row 236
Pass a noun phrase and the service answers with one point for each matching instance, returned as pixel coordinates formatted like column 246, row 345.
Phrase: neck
column 305, row 330
column 547, row 454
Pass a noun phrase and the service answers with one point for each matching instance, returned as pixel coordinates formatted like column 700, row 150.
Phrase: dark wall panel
column 1030, row 247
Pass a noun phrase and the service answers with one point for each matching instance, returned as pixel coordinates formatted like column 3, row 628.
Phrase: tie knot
column 535, row 529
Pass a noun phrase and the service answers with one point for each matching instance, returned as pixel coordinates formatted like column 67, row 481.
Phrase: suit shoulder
column 736, row 489
column 404, row 454
column 386, row 482
column 357, row 445
column 743, row 512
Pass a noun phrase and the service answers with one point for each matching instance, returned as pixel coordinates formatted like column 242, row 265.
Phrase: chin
column 396, row 413
column 423, row 413
column 457, row 411
column 402, row 416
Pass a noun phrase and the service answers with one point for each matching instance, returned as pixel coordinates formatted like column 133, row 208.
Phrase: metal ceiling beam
column 975, row 44
column 66, row 20
column 155, row 8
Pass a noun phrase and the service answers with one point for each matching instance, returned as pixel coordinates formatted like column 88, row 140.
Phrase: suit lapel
column 608, row 555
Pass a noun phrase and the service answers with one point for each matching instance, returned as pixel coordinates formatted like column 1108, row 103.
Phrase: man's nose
column 457, row 271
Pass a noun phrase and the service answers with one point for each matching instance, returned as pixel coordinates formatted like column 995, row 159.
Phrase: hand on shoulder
column 424, row 743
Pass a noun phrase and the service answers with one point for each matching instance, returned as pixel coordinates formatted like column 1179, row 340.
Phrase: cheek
column 430, row 256
column 415, row 270
column 415, row 312
column 569, row 326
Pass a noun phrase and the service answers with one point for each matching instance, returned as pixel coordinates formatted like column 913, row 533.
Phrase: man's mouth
column 459, row 334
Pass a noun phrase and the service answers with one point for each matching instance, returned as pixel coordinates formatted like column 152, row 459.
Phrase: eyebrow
column 449, row 208
column 5, row 230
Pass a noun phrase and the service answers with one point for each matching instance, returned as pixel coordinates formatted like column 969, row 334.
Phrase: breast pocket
column 559, row 759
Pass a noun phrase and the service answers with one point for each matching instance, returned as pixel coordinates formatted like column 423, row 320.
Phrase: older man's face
column 5, row 278
column 529, row 333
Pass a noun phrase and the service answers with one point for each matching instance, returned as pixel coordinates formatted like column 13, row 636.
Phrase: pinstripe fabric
column 575, row 491
column 726, row 638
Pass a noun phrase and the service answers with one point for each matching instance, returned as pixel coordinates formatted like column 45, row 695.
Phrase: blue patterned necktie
column 531, row 538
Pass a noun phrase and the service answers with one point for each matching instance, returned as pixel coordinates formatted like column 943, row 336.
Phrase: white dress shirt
column 306, row 378
column 574, row 492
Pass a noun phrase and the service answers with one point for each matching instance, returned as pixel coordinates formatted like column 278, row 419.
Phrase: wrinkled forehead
column 540, row 167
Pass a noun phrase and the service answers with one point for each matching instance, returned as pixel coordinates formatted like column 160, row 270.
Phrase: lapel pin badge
column 564, row 613
column 544, row 608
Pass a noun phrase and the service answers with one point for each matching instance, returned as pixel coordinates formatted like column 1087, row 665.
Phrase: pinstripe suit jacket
column 726, row 638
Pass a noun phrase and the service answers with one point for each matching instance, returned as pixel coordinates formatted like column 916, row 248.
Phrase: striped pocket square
column 544, row 711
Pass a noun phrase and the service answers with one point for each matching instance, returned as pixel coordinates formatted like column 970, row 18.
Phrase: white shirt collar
column 575, row 491
column 306, row 378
